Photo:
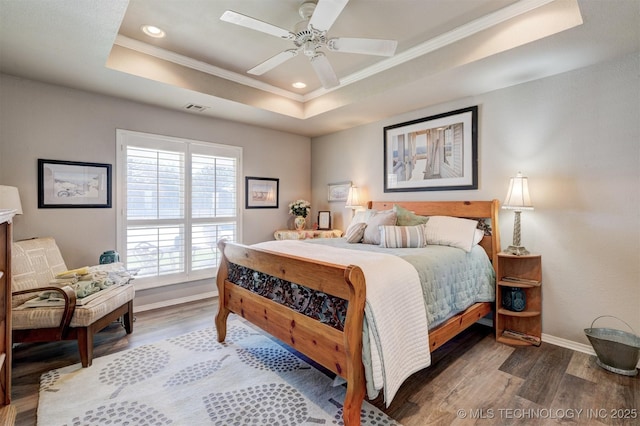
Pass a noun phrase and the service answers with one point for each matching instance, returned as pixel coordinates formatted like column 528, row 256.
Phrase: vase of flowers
column 300, row 223
column 300, row 209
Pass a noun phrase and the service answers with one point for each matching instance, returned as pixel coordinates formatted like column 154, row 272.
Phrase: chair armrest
column 69, row 296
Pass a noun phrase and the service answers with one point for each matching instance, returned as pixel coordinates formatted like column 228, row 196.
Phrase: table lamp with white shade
column 353, row 200
column 10, row 199
column 517, row 199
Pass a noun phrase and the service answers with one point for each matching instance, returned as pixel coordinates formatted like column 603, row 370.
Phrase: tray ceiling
column 446, row 50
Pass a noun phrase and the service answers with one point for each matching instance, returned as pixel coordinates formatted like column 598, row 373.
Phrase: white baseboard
column 569, row 344
column 558, row 341
column 172, row 302
column 564, row 343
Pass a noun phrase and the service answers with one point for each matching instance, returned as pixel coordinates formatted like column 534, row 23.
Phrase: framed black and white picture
column 437, row 153
column 261, row 193
column 324, row 220
column 73, row 184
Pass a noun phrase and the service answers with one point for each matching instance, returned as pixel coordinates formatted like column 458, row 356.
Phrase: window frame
column 124, row 138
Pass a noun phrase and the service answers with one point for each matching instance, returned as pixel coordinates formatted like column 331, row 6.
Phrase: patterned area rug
column 194, row 380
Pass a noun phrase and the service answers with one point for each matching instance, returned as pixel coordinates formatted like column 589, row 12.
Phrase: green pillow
column 407, row 217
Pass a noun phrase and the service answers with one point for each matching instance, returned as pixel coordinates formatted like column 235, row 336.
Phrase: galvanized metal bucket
column 617, row 350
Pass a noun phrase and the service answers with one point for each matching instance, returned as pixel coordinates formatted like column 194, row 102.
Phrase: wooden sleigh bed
column 340, row 351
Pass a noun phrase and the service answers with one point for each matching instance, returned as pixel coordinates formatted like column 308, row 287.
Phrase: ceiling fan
column 309, row 36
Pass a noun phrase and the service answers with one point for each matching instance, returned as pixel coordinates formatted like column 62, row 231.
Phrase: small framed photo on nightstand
column 324, row 220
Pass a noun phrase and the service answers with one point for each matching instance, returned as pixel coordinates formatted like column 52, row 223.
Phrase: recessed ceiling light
column 153, row 31
column 299, row 85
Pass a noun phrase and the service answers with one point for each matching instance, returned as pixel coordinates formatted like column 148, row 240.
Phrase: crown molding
column 188, row 62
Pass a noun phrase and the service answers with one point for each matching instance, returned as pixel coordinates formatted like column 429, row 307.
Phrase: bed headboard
column 464, row 209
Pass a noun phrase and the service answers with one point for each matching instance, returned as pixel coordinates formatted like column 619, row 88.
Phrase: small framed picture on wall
column 261, row 192
column 339, row 191
column 73, row 184
column 324, row 220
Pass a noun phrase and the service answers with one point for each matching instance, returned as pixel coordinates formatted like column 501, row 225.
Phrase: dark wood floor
column 472, row 380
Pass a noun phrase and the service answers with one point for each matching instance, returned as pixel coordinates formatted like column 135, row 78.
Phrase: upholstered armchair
column 50, row 303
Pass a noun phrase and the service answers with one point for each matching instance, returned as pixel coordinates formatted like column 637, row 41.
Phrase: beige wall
column 577, row 137
column 51, row 122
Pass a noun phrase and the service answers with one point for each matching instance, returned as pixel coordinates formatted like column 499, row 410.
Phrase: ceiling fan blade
column 326, row 13
column 324, row 70
column 366, row 46
column 273, row 62
column 255, row 24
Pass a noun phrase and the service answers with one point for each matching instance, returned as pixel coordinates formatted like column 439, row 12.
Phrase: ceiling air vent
column 195, row 108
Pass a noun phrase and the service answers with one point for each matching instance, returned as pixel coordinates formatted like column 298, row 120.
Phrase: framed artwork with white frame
column 73, row 184
column 261, row 193
column 436, row 153
column 339, row 191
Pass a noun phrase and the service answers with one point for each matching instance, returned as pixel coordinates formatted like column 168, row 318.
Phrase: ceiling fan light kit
column 309, row 36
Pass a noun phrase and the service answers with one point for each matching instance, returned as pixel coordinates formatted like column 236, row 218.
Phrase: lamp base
column 517, row 250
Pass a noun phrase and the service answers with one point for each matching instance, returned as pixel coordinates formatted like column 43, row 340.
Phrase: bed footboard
column 338, row 351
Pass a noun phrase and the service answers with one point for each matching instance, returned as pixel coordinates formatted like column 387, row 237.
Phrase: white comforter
column 394, row 311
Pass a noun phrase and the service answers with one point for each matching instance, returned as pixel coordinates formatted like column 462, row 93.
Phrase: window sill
column 167, row 280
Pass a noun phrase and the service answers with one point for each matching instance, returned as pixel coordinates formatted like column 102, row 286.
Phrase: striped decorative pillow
column 355, row 232
column 402, row 236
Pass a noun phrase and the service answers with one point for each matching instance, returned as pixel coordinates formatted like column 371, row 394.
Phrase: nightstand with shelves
column 519, row 275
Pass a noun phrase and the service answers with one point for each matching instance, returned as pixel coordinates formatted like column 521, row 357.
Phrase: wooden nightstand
column 292, row 234
column 515, row 326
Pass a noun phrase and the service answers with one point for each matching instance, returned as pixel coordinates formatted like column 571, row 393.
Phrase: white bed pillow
column 363, row 215
column 372, row 231
column 452, row 231
column 355, row 230
column 478, row 236
column 402, row 236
